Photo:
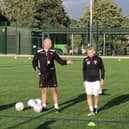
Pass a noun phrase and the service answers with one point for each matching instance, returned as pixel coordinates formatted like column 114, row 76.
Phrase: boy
column 92, row 67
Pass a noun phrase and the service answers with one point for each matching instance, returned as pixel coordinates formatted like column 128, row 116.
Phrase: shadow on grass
column 46, row 125
column 72, row 102
column 64, row 105
column 27, row 108
column 115, row 101
column 6, row 106
column 78, row 99
column 105, row 92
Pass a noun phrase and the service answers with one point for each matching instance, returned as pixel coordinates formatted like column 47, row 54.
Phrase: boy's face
column 91, row 52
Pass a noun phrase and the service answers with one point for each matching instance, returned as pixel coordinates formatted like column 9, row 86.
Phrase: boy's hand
column 101, row 82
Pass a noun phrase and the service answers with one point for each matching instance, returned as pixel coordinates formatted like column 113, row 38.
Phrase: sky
column 75, row 8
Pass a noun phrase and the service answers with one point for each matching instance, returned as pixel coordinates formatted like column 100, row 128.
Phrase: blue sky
column 75, row 8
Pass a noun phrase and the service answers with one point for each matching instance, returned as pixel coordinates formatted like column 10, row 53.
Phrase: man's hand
column 69, row 62
column 37, row 70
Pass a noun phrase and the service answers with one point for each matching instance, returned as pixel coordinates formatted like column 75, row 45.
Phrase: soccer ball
column 19, row 106
column 37, row 108
column 31, row 103
column 37, row 101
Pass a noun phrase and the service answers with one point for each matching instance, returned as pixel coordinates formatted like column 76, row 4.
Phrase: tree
column 3, row 19
column 20, row 11
column 74, row 23
column 53, row 14
column 36, row 13
column 105, row 13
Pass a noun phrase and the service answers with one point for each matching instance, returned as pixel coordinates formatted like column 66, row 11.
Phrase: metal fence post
column 5, row 37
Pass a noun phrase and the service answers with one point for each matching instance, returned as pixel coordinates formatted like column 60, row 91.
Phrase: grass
column 18, row 82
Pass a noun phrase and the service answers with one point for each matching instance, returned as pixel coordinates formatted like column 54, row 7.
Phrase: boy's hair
column 90, row 48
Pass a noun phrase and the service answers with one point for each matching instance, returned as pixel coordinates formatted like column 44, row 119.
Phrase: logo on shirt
column 51, row 53
column 95, row 62
column 48, row 62
column 88, row 62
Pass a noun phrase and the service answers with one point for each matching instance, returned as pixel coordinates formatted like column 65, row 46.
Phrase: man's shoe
column 44, row 109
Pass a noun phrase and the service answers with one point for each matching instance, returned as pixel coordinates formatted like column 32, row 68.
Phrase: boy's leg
column 96, row 92
column 89, row 90
column 96, row 102
column 90, row 103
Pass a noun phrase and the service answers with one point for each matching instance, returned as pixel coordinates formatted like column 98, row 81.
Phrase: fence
column 15, row 40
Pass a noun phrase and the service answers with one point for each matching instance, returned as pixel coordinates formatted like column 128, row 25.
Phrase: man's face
column 91, row 53
column 47, row 44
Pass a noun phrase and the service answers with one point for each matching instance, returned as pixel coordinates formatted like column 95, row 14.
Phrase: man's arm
column 60, row 60
column 35, row 62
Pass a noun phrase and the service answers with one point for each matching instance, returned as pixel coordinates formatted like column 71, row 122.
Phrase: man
column 93, row 80
column 43, row 63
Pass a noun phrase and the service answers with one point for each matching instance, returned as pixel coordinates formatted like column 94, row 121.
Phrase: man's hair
column 46, row 39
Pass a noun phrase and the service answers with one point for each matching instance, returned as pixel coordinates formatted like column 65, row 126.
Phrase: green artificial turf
column 19, row 82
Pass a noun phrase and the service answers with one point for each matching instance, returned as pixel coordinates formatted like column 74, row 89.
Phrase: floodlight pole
column 91, row 20
column 72, row 44
column 42, row 36
column 5, row 31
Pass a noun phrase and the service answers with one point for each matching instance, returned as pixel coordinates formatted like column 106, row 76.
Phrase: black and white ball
column 31, row 103
column 38, row 101
column 37, row 108
column 19, row 106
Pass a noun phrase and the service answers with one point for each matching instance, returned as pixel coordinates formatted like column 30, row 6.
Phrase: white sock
column 91, row 108
column 56, row 106
column 44, row 105
column 96, row 106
